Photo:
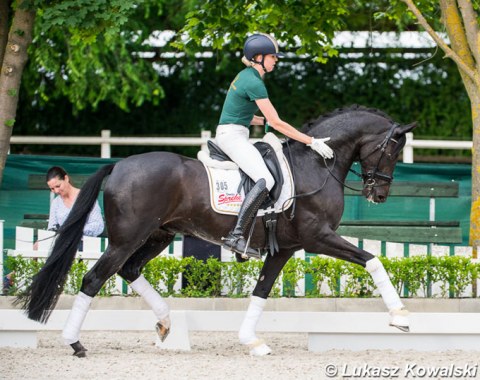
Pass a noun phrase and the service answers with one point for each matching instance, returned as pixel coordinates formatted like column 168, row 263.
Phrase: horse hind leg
column 111, row 262
column 131, row 272
column 104, row 268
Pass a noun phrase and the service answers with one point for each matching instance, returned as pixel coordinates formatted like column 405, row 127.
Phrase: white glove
column 319, row 146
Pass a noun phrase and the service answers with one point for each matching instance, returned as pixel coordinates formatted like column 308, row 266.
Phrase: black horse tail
column 42, row 295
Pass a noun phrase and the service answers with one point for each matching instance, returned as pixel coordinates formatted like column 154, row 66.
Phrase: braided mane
column 339, row 111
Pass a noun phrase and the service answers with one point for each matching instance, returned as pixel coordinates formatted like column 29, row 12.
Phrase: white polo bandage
column 246, row 335
column 151, row 296
column 71, row 331
column 383, row 284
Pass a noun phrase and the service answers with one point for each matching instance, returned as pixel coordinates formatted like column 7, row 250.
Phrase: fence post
column 205, row 136
column 105, row 147
column 408, row 149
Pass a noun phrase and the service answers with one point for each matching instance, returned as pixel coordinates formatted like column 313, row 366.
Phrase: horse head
column 378, row 156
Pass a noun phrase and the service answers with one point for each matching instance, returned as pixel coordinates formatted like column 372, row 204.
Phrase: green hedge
column 324, row 277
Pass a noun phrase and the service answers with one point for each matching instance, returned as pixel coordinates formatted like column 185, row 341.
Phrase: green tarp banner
column 16, row 199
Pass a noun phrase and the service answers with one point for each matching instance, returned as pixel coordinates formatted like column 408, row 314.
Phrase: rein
column 368, row 179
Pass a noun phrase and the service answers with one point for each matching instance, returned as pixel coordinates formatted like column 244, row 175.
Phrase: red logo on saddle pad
column 229, row 198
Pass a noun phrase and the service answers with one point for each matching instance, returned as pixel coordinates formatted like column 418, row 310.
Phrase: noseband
column 371, row 176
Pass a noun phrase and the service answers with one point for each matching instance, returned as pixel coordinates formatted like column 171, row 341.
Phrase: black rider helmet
column 260, row 43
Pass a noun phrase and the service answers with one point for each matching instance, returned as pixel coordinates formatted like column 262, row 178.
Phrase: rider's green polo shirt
column 240, row 106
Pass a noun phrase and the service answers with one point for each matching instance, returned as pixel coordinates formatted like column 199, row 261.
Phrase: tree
column 13, row 55
column 308, row 26
column 459, row 19
column 86, row 50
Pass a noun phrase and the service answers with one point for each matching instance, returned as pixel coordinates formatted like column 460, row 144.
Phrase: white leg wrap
column 384, row 285
column 246, row 335
column 151, row 296
column 71, row 331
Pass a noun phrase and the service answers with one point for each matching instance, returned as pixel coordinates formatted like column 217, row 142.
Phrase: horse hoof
column 163, row 329
column 399, row 319
column 80, row 354
column 259, row 348
column 401, row 328
column 79, row 350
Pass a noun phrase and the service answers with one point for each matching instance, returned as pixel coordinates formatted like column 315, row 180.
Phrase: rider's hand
column 319, row 146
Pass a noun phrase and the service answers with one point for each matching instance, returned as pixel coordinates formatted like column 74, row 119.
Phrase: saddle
column 271, row 161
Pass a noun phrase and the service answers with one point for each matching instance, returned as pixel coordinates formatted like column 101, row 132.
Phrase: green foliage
column 293, row 271
column 454, row 273
column 330, row 277
column 24, row 270
column 74, row 279
column 357, row 283
column 300, row 89
column 203, row 278
column 223, row 24
column 92, row 51
column 163, row 273
column 334, row 269
column 90, row 68
column 412, row 273
column 237, row 278
column 10, row 123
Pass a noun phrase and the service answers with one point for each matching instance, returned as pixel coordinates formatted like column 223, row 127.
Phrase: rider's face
column 269, row 62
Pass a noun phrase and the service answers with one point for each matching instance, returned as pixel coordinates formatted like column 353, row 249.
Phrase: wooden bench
column 408, row 231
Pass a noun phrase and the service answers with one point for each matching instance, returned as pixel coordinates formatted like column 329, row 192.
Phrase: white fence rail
column 105, row 141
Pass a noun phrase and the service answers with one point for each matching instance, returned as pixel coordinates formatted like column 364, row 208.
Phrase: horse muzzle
column 376, row 193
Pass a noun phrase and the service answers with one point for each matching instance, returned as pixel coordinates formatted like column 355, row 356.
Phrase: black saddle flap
column 216, row 153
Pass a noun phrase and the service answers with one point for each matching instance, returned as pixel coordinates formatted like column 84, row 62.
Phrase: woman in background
column 59, row 183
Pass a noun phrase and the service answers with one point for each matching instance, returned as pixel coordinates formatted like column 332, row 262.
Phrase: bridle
column 371, row 176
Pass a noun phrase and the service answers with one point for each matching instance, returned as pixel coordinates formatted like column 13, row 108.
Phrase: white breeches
column 233, row 140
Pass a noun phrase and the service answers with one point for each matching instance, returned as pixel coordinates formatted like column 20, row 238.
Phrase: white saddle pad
column 224, row 180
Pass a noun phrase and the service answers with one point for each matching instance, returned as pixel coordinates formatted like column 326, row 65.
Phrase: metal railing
column 105, row 141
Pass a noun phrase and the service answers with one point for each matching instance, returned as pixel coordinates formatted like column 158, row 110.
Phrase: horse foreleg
column 333, row 245
column 269, row 273
column 398, row 313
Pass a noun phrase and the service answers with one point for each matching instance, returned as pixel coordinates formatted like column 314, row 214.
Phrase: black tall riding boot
column 236, row 238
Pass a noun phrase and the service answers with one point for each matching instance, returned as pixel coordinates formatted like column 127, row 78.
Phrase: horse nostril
column 381, row 198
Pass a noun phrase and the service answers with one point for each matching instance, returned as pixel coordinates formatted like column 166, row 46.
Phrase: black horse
column 149, row 198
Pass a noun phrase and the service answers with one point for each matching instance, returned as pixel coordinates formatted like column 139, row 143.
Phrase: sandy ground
column 133, row 356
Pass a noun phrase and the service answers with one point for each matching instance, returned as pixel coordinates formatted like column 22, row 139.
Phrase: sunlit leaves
column 305, row 27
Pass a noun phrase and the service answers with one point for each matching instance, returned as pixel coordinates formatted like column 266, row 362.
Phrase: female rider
column 246, row 95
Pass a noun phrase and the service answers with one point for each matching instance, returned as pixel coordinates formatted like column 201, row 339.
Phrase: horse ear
column 402, row 129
